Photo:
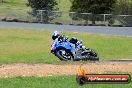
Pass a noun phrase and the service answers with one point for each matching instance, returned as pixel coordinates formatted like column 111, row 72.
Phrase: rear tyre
column 64, row 55
column 93, row 56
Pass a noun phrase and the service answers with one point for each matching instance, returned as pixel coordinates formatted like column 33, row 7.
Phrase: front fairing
column 53, row 45
column 65, row 44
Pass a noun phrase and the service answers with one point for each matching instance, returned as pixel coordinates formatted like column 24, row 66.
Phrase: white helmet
column 55, row 35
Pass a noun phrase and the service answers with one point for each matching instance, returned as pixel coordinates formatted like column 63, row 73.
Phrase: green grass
column 18, row 45
column 33, row 46
column 52, row 82
column 14, row 9
column 64, row 5
column 18, row 4
column 18, row 9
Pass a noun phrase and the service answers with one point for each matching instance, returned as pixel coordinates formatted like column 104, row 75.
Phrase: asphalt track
column 123, row 31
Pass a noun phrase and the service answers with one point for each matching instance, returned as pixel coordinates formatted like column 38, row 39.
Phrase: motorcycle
column 72, row 50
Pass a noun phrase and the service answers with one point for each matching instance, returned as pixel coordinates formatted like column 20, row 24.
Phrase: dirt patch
column 20, row 69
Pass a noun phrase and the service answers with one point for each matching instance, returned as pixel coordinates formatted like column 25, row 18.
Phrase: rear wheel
column 64, row 55
column 93, row 56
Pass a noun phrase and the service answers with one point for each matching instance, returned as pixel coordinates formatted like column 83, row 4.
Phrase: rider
column 56, row 36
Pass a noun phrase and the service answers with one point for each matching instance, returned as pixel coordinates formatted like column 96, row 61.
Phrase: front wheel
column 64, row 55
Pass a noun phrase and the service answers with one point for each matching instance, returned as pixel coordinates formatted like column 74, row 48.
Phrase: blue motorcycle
column 72, row 50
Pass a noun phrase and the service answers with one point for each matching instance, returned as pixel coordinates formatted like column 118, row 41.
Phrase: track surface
column 125, row 31
column 21, row 69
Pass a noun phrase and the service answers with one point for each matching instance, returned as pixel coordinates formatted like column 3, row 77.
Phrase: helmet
column 55, row 35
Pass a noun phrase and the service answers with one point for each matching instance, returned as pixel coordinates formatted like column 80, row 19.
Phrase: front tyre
column 64, row 55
